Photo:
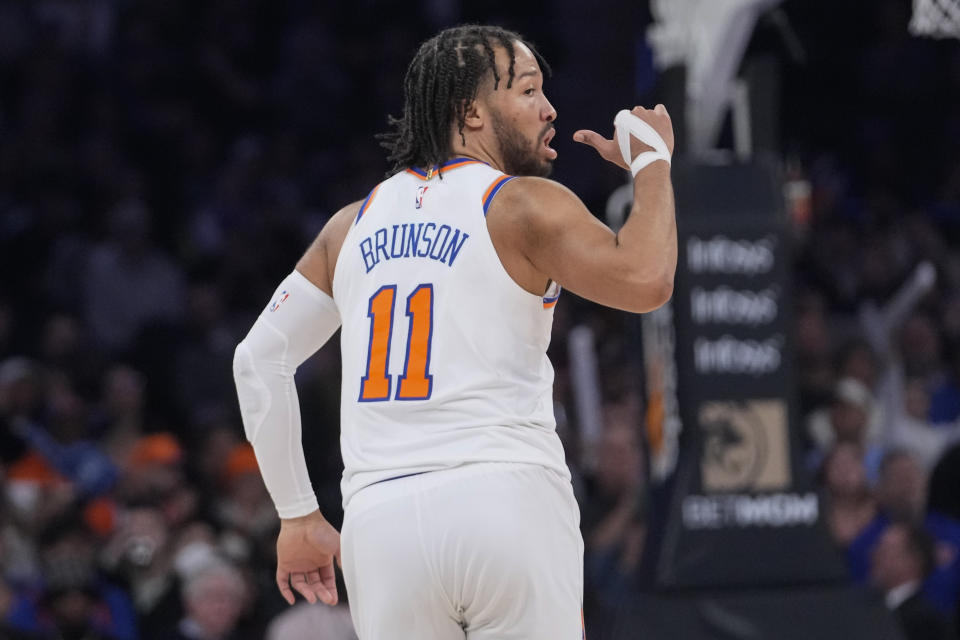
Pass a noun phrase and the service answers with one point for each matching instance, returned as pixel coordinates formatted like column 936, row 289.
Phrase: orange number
column 375, row 385
column 416, row 383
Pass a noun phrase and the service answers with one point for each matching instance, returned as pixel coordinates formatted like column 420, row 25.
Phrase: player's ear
column 473, row 115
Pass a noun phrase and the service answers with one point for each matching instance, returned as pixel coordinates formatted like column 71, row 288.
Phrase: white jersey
column 444, row 355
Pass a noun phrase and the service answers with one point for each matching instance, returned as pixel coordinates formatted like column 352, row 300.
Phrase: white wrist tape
column 628, row 124
column 298, row 321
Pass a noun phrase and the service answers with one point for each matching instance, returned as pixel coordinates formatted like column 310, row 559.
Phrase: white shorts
column 482, row 551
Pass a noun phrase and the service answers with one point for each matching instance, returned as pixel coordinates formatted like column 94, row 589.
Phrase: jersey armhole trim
column 366, row 203
column 552, row 295
column 492, row 191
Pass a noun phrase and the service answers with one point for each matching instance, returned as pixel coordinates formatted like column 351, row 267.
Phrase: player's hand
column 609, row 150
column 306, row 548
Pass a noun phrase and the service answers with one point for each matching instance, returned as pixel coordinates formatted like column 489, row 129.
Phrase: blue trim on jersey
column 493, row 191
column 550, row 301
column 366, row 202
column 460, row 159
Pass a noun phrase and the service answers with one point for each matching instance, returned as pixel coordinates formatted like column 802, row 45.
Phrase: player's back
column 444, row 355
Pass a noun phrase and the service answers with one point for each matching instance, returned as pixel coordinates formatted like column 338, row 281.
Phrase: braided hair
column 442, row 79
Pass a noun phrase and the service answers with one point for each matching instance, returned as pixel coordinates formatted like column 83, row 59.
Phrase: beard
column 520, row 156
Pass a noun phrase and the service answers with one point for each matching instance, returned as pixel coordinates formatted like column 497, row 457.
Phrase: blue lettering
column 381, row 244
column 393, row 241
column 453, row 249
column 409, row 240
column 426, row 240
column 366, row 248
column 413, row 239
column 438, row 243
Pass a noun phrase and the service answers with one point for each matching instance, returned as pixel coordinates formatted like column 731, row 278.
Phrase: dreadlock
column 442, row 79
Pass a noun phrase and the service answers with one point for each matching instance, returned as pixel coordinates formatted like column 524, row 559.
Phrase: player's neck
column 477, row 150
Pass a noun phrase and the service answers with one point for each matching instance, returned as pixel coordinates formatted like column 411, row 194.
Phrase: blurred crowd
column 877, row 283
column 159, row 175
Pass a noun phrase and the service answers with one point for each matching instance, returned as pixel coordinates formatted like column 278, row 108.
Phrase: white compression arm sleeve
column 298, row 321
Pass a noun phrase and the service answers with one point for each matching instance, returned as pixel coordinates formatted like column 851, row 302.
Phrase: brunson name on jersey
column 441, row 243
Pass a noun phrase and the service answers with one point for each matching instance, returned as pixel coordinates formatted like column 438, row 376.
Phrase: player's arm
column 318, row 263
column 631, row 270
column 299, row 320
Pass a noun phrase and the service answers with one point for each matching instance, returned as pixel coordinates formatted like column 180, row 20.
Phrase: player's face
column 522, row 117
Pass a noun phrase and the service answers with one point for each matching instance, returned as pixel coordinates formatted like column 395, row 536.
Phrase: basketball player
column 460, row 520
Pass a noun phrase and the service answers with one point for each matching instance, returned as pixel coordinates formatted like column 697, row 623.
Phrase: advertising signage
column 722, row 427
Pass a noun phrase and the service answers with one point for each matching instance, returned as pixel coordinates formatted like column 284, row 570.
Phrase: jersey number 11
column 415, row 383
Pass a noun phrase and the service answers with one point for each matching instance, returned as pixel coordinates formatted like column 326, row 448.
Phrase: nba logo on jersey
column 420, row 191
column 276, row 303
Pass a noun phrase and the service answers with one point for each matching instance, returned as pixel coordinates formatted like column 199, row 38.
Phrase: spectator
column 74, row 602
column 138, row 556
column 207, row 350
column 80, row 461
column 9, row 602
column 153, row 469
column 613, row 519
column 901, row 561
column 129, row 283
column 902, row 487
column 912, row 373
column 213, row 599
column 908, row 423
column 245, row 506
column 36, row 496
column 901, row 494
column 816, row 375
column 21, row 392
column 217, row 439
column 850, row 503
column 848, row 421
column 63, row 347
column 15, row 601
column 309, row 621
column 120, row 418
column 857, row 360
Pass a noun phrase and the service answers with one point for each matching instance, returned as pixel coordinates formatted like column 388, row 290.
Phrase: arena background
column 740, row 456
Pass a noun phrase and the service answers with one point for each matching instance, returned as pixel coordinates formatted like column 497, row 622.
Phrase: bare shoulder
column 320, row 259
column 524, row 219
column 536, row 205
column 527, row 192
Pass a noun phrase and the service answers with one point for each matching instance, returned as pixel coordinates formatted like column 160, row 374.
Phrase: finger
column 662, row 110
column 590, row 138
column 326, row 591
column 299, row 582
column 325, row 595
column 283, row 583
column 328, row 578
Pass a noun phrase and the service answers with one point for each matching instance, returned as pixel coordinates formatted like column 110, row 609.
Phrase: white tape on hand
column 628, row 124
